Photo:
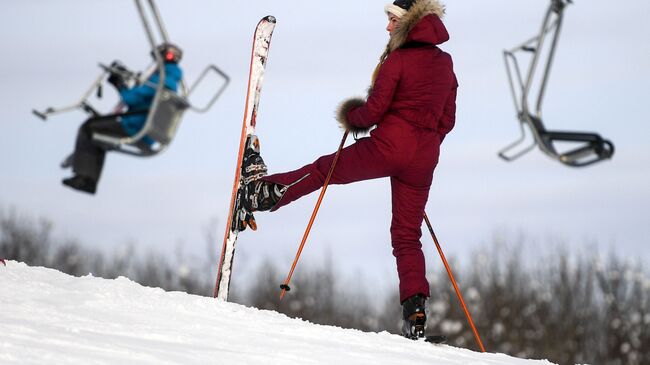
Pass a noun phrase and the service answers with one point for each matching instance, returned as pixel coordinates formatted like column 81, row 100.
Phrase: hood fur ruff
column 419, row 10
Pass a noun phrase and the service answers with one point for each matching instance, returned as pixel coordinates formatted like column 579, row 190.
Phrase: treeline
column 564, row 307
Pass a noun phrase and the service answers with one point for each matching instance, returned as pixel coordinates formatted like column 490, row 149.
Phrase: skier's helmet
column 169, row 52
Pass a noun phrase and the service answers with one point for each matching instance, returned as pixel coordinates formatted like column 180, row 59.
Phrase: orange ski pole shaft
column 285, row 286
column 453, row 282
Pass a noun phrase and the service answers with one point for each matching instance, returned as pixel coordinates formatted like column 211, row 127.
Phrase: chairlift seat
column 162, row 128
column 591, row 146
column 593, row 149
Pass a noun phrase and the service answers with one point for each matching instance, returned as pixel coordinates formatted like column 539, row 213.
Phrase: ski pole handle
column 285, row 286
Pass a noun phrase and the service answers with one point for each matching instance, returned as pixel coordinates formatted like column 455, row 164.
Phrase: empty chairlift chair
column 585, row 148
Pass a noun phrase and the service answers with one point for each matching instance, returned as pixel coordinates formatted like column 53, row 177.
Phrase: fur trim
column 395, row 10
column 342, row 114
column 419, row 10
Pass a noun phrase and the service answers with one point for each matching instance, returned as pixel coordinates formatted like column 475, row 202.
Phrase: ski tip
column 270, row 19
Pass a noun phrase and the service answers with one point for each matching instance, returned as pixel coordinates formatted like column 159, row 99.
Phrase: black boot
column 415, row 317
column 243, row 220
column 253, row 166
column 262, row 195
column 256, row 196
column 81, row 183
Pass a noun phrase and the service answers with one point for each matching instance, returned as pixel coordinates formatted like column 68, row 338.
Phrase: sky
column 51, row 317
column 322, row 53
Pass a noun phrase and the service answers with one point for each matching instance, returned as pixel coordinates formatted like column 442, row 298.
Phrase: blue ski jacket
column 139, row 98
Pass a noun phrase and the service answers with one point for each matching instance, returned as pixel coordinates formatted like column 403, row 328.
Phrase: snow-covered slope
column 47, row 317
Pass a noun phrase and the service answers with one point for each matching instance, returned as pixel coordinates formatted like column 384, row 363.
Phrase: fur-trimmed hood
column 421, row 24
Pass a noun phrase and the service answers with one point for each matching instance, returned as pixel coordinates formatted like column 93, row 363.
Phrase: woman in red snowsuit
column 412, row 103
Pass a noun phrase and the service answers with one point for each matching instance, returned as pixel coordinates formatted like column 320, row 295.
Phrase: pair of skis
column 259, row 55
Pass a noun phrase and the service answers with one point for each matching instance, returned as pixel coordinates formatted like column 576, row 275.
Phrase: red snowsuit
column 413, row 105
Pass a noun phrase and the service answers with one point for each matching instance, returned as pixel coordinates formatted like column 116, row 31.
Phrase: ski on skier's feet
column 435, row 339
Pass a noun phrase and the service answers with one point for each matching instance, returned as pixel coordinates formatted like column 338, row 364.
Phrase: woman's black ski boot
column 258, row 195
column 253, row 166
column 261, row 195
column 415, row 317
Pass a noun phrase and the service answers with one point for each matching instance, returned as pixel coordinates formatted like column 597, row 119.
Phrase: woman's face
column 392, row 23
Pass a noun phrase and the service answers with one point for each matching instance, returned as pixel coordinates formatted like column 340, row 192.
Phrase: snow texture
column 48, row 317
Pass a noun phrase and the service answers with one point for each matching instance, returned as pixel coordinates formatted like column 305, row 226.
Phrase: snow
column 48, row 317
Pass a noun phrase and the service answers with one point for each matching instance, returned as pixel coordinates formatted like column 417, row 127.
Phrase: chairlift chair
column 591, row 147
column 167, row 108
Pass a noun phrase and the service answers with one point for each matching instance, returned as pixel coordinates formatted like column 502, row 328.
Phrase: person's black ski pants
column 88, row 156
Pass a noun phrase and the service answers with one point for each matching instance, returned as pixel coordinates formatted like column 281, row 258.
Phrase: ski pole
column 285, row 286
column 453, row 282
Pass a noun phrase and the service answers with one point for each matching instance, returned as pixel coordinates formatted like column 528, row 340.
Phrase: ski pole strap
column 453, row 282
column 285, row 286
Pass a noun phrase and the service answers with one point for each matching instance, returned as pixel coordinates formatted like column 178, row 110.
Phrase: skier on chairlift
column 87, row 160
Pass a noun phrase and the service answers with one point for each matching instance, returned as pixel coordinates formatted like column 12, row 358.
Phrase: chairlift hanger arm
column 116, row 142
column 96, row 85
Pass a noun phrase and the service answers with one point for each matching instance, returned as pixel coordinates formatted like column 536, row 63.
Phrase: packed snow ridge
column 48, row 317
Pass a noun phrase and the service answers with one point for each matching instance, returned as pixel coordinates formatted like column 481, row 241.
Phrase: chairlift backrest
column 167, row 117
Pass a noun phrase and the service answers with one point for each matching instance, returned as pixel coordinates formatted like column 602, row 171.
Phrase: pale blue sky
column 323, row 52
